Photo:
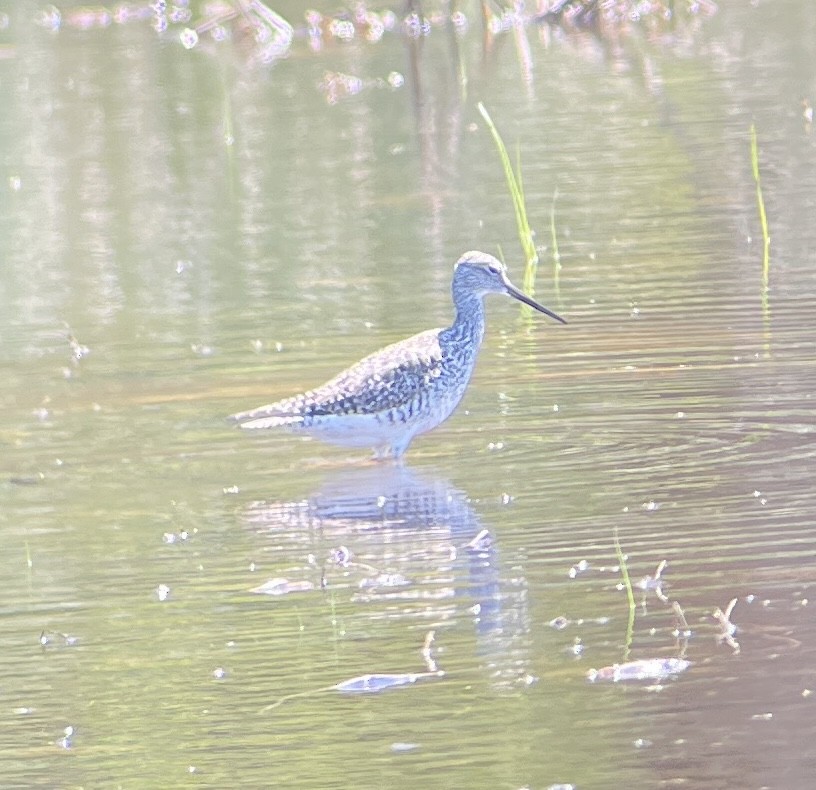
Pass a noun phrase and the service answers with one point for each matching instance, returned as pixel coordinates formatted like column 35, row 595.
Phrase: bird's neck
column 469, row 324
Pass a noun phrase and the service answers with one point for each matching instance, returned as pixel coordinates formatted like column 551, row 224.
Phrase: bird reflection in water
column 402, row 544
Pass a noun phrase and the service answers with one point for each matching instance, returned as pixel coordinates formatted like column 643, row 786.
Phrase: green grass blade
column 514, row 186
column 556, row 255
column 630, row 595
column 763, row 219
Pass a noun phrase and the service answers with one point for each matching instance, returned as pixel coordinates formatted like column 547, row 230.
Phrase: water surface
column 187, row 233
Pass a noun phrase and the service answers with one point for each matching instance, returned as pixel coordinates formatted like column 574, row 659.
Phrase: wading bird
column 405, row 389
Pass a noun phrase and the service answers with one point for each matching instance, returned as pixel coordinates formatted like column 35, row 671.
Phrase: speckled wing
column 387, row 379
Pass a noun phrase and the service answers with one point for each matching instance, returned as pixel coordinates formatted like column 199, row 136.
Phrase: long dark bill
column 522, row 297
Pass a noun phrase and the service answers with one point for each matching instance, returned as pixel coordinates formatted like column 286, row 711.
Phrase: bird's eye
column 494, row 270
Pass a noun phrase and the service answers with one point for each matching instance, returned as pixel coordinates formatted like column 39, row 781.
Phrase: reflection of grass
column 630, row 595
column 555, row 254
column 516, row 190
column 763, row 220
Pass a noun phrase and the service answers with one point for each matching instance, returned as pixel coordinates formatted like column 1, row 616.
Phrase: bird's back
column 387, row 379
column 400, row 376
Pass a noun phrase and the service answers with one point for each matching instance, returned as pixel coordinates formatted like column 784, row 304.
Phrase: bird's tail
column 265, row 417
column 272, row 422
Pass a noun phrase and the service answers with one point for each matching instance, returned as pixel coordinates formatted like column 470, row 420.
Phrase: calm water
column 186, row 233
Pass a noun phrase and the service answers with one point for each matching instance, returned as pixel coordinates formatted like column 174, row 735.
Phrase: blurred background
column 209, row 206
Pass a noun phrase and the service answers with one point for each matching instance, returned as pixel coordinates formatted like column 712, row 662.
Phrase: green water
column 184, row 233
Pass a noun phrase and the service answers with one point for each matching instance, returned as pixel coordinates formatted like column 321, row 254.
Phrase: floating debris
column 27, row 480
column 67, row 740
column 280, row 586
column 400, row 747
column 188, row 38
column 683, row 630
column 371, row 684
column 176, row 537
column 482, row 541
column 384, row 580
column 576, row 649
column 561, row 622
column 654, row 583
column 47, row 639
column 340, row 556
column 78, row 350
column 644, row 669
column 583, row 566
column 727, row 628
column 375, row 682
column 336, row 85
column 343, row 557
column 427, row 655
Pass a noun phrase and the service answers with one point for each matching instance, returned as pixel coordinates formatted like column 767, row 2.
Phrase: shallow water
column 184, row 234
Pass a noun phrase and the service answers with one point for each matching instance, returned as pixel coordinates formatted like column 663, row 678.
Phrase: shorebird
column 405, row 389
